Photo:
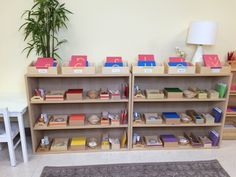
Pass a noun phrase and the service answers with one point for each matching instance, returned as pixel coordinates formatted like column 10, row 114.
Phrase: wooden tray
column 115, row 70
column 200, row 69
column 50, row 70
column 148, row 69
column 180, row 69
column 78, row 70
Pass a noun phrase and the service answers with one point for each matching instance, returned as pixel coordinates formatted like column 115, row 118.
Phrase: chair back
column 7, row 123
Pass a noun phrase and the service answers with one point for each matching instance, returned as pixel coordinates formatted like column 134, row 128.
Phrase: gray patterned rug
column 210, row 168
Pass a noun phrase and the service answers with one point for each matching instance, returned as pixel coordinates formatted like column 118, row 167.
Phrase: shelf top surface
column 76, row 75
column 182, row 75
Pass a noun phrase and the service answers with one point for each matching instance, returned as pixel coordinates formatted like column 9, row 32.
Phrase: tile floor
column 226, row 156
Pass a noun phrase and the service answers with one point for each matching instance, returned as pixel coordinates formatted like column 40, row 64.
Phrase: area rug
column 210, row 168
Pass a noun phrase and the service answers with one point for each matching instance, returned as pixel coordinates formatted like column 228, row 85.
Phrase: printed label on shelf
column 215, row 70
column 43, row 71
column 115, row 70
column 148, row 70
column 78, row 71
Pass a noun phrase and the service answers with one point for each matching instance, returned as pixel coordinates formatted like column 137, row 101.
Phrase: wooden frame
column 183, row 81
column 87, row 106
column 113, row 81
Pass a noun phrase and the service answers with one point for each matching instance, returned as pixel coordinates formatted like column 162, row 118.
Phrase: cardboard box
column 78, row 143
column 212, row 94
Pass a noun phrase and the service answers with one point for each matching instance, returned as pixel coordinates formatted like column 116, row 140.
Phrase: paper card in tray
column 59, row 144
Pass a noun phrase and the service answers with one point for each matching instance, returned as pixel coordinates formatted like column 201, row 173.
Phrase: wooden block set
column 91, row 112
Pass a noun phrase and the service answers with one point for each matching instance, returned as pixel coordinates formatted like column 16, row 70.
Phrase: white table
column 17, row 106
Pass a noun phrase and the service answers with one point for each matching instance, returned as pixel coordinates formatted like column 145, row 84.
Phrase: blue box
column 146, row 63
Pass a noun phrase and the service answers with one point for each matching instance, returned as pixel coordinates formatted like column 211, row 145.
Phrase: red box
column 148, row 57
column 78, row 61
column 44, row 62
column 114, row 60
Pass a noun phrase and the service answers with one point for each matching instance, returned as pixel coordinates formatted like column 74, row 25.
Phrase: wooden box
column 66, row 69
column 232, row 64
column 116, row 70
column 152, row 118
column 180, row 69
column 154, row 94
column 173, row 93
column 200, row 69
column 148, row 69
column 229, row 131
column 41, row 71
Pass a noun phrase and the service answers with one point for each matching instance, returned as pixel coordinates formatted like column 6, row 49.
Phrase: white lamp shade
column 202, row 33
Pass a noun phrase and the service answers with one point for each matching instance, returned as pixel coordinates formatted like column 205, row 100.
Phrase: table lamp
column 201, row 33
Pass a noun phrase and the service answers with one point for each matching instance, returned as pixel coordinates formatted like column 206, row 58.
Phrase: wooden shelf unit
column 229, row 132
column 87, row 106
column 183, row 81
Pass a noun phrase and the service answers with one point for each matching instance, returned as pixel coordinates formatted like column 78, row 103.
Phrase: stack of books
column 171, row 117
column 59, row 144
column 74, row 94
column 217, row 114
column 76, row 119
column 78, row 143
column 55, row 95
column 169, row 140
column 214, row 137
column 58, row 120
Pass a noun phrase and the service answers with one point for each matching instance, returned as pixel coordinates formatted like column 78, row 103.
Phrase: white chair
column 8, row 131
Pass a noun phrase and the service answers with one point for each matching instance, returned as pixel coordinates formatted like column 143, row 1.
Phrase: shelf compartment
column 229, row 132
column 82, row 151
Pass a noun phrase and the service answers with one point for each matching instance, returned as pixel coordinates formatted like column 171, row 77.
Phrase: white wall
column 116, row 27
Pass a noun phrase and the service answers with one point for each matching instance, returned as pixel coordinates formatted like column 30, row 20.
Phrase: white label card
column 181, row 70
column 78, row 71
column 148, row 70
column 115, row 70
column 43, row 71
column 215, row 70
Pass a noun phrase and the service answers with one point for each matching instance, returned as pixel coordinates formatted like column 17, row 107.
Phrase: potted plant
column 43, row 23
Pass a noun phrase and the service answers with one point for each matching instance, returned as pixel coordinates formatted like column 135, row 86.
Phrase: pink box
column 78, row 61
column 148, row 57
column 176, row 59
column 211, row 61
column 114, row 59
column 44, row 62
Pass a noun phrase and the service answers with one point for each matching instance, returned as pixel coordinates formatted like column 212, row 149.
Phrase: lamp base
column 198, row 56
